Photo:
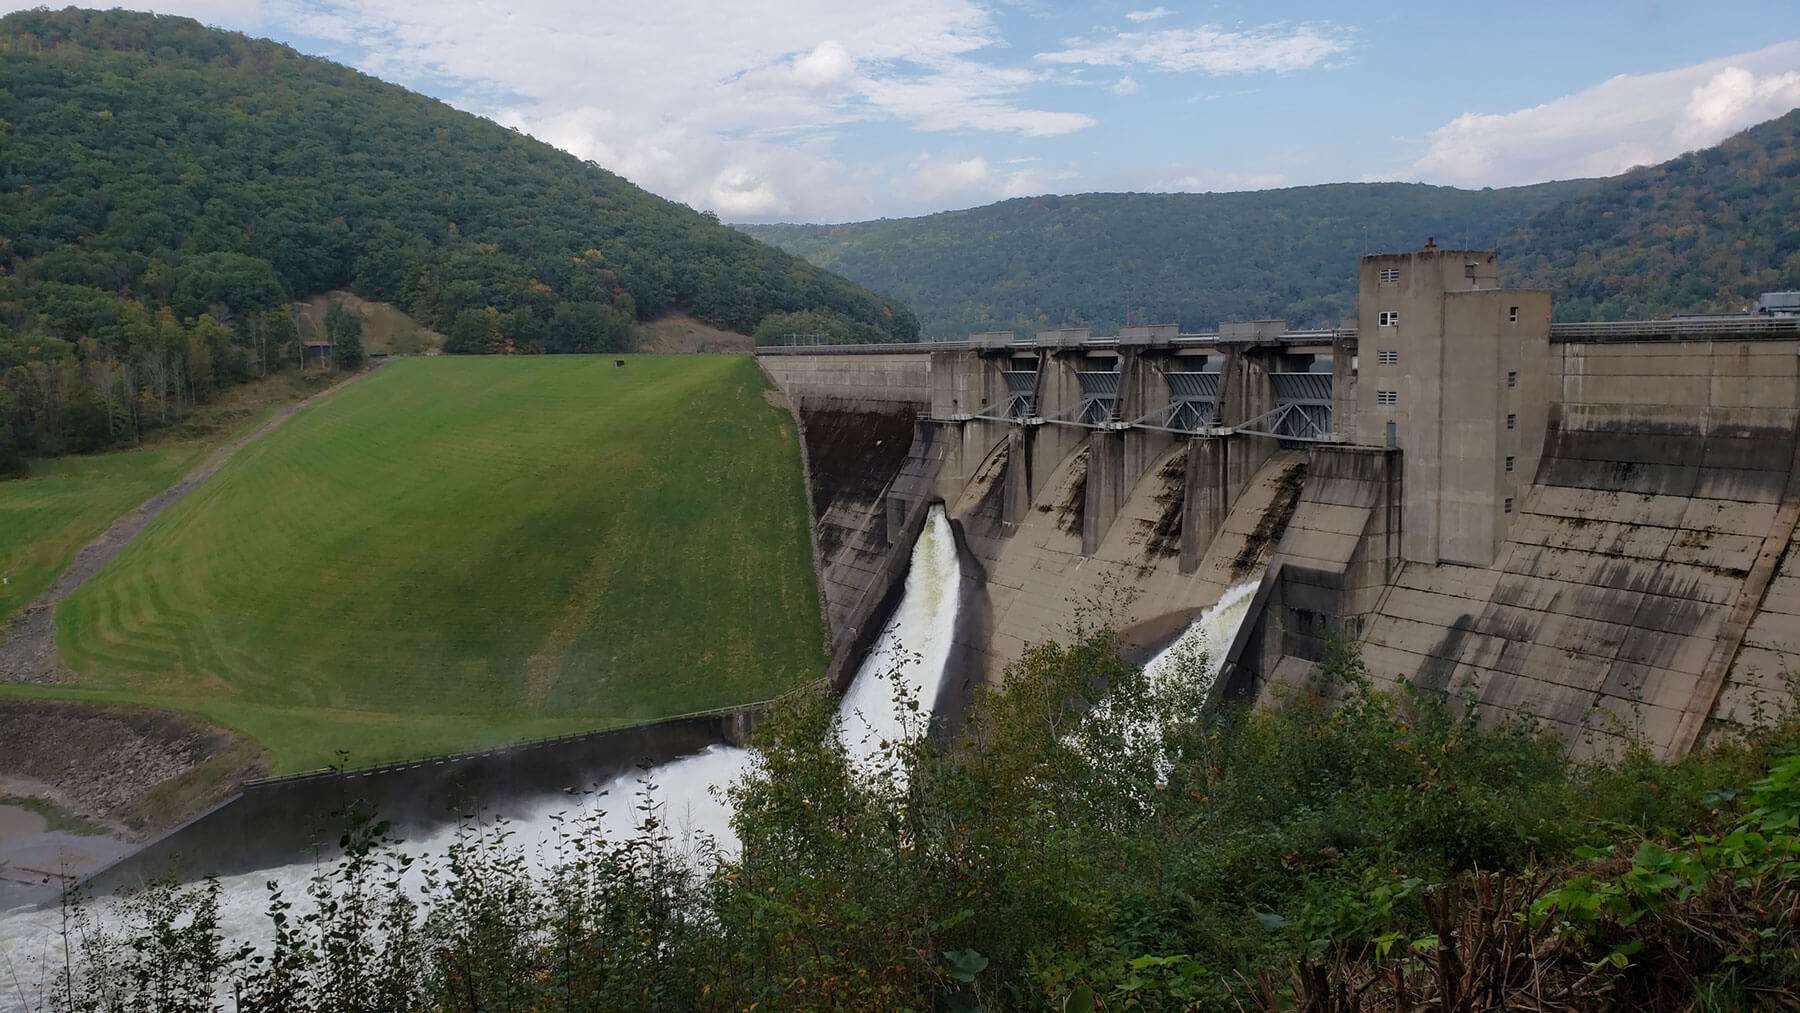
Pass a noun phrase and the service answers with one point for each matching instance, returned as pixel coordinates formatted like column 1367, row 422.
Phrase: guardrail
column 1766, row 328
column 512, row 747
column 882, row 348
column 1209, row 339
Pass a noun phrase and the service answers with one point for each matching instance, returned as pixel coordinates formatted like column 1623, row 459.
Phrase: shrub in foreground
column 1090, row 839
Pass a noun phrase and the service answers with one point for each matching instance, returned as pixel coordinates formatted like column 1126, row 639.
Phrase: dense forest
column 1706, row 232
column 167, row 190
column 1100, row 260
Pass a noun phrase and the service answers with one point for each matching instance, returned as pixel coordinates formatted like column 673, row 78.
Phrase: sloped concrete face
column 1038, row 581
column 1342, row 546
column 1760, row 682
column 1616, row 602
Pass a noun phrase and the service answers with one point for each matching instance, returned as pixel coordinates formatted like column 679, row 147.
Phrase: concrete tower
column 1452, row 369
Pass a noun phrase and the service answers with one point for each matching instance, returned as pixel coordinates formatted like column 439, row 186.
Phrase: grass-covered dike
column 457, row 553
column 1338, row 849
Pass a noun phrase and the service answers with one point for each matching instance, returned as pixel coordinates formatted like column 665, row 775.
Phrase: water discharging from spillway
column 912, row 652
column 1195, row 656
column 1207, row 637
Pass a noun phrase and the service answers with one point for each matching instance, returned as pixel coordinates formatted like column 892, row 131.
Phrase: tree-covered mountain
column 1706, row 232
column 166, row 190
column 1099, row 260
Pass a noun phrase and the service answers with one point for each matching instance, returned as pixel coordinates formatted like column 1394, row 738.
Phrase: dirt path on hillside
column 28, row 640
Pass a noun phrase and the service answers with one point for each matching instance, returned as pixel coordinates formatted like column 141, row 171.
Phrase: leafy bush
column 1090, row 839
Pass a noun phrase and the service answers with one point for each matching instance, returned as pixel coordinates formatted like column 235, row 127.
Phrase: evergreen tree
column 344, row 328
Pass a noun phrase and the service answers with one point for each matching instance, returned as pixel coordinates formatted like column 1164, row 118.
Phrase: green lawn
column 455, row 553
column 46, row 518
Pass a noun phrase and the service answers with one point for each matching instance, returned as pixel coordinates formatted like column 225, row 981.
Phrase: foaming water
column 907, row 663
column 686, row 796
column 1196, row 655
column 1207, row 638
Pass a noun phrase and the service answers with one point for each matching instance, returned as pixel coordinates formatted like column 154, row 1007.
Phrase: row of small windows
column 1388, row 318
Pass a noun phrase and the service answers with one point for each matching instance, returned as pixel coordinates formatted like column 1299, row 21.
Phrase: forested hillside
column 167, row 189
column 1099, row 260
column 1706, row 232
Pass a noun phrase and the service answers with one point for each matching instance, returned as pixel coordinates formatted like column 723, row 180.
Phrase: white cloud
column 1194, row 179
column 827, row 66
column 1732, row 99
column 739, row 108
column 1139, row 17
column 966, row 182
column 935, row 178
column 1124, row 86
column 969, row 96
column 1625, row 121
column 1209, row 49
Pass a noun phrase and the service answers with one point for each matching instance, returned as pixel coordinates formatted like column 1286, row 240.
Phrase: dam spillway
column 1583, row 525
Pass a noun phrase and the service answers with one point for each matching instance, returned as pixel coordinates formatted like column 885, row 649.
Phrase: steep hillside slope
column 1706, row 232
column 1100, row 260
column 166, row 189
column 454, row 553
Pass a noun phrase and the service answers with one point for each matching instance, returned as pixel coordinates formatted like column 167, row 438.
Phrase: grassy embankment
column 66, row 502
column 47, row 517
column 457, row 553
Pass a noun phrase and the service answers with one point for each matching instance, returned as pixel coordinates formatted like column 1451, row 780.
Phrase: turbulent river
column 689, row 792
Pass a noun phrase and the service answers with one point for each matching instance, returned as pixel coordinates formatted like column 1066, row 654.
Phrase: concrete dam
column 1584, row 524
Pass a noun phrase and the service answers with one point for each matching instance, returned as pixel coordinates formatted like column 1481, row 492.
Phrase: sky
column 832, row 111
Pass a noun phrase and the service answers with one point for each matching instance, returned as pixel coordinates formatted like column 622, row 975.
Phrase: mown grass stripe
column 378, row 574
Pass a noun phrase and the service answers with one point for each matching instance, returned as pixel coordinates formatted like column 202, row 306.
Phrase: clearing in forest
column 456, row 553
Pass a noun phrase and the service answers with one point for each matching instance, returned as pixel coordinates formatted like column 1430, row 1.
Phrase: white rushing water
column 688, row 792
column 1207, row 638
column 1198, row 653
column 907, row 663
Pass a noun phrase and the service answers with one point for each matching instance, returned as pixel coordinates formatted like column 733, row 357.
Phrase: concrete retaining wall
column 283, row 820
column 1677, row 374
column 879, row 376
column 1620, row 583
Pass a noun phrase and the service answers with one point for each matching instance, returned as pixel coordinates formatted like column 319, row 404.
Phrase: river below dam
column 907, row 663
column 892, row 698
